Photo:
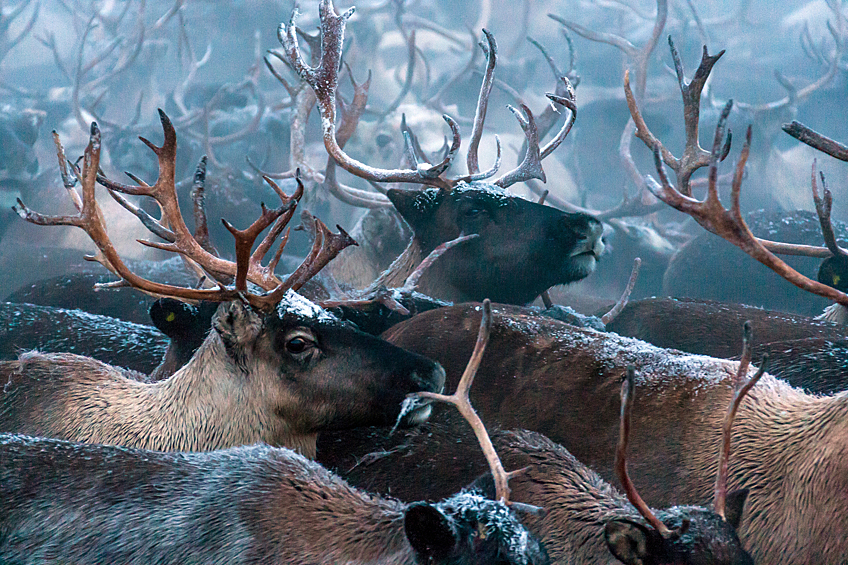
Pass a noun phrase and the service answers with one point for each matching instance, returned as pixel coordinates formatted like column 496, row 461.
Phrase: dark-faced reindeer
column 243, row 505
column 510, row 261
column 274, row 368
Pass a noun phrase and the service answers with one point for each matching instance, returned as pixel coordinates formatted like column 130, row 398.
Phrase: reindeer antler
column 178, row 239
column 324, row 79
column 741, row 386
column 628, row 387
column 463, row 404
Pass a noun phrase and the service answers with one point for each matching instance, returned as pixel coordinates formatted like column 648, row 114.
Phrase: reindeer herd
column 287, row 406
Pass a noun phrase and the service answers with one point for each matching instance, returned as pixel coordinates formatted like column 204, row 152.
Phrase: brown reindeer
column 585, row 518
column 275, row 367
column 508, row 262
column 790, row 449
column 244, row 505
column 580, row 505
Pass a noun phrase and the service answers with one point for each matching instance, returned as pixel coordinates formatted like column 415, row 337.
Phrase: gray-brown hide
column 789, row 448
column 278, row 378
column 807, row 353
column 523, row 247
column 245, row 505
column 587, row 520
column 711, row 328
column 24, row 327
column 578, row 504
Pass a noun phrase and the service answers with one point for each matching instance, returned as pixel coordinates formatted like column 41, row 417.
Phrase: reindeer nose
column 433, row 382
column 596, row 237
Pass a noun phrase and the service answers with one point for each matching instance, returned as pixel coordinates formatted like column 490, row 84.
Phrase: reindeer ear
column 237, row 324
column 734, row 505
column 414, row 206
column 628, row 541
column 485, row 485
column 429, row 532
column 172, row 317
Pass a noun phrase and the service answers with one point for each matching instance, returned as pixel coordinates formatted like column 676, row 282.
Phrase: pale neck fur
column 205, row 405
column 791, row 450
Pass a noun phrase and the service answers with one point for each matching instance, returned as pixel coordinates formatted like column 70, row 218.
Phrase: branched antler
column 693, row 157
column 463, row 404
column 178, row 239
column 324, row 81
column 729, row 224
column 741, row 386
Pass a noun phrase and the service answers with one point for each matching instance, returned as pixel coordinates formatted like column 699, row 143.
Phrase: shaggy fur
column 76, row 503
column 789, row 448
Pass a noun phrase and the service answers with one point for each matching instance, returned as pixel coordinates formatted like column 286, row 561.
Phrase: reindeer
column 789, row 446
column 274, row 368
column 254, row 504
column 585, row 518
column 505, row 249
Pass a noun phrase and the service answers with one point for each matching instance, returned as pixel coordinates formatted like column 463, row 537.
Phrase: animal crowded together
column 643, row 368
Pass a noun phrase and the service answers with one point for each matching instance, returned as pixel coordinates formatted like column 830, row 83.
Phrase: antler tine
column 463, row 404
column 531, row 165
column 816, row 140
column 278, row 227
column 324, row 81
column 740, row 386
column 694, row 157
column 89, row 219
column 325, row 247
column 730, row 225
column 569, row 101
column 412, row 280
column 627, row 392
column 823, row 209
column 246, row 238
column 625, row 296
column 333, row 244
column 350, row 115
column 198, row 199
column 482, row 103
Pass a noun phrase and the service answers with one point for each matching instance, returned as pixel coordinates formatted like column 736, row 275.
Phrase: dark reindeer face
column 319, row 373
column 468, row 529
column 708, row 540
column 523, row 247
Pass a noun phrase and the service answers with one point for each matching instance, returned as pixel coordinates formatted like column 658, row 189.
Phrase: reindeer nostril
column 433, row 382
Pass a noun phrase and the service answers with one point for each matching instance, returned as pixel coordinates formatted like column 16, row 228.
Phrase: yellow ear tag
column 836, row 279
column 170, row 317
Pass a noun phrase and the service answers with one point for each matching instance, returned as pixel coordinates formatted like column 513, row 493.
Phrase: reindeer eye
column 473, row 212
column 297, row 345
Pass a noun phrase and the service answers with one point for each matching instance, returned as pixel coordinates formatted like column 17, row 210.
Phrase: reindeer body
column 246, row 505
column 789, row 448
column 243, row 385
column 579, row 506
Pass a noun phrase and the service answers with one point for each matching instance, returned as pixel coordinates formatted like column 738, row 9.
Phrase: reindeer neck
column 402, row 267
